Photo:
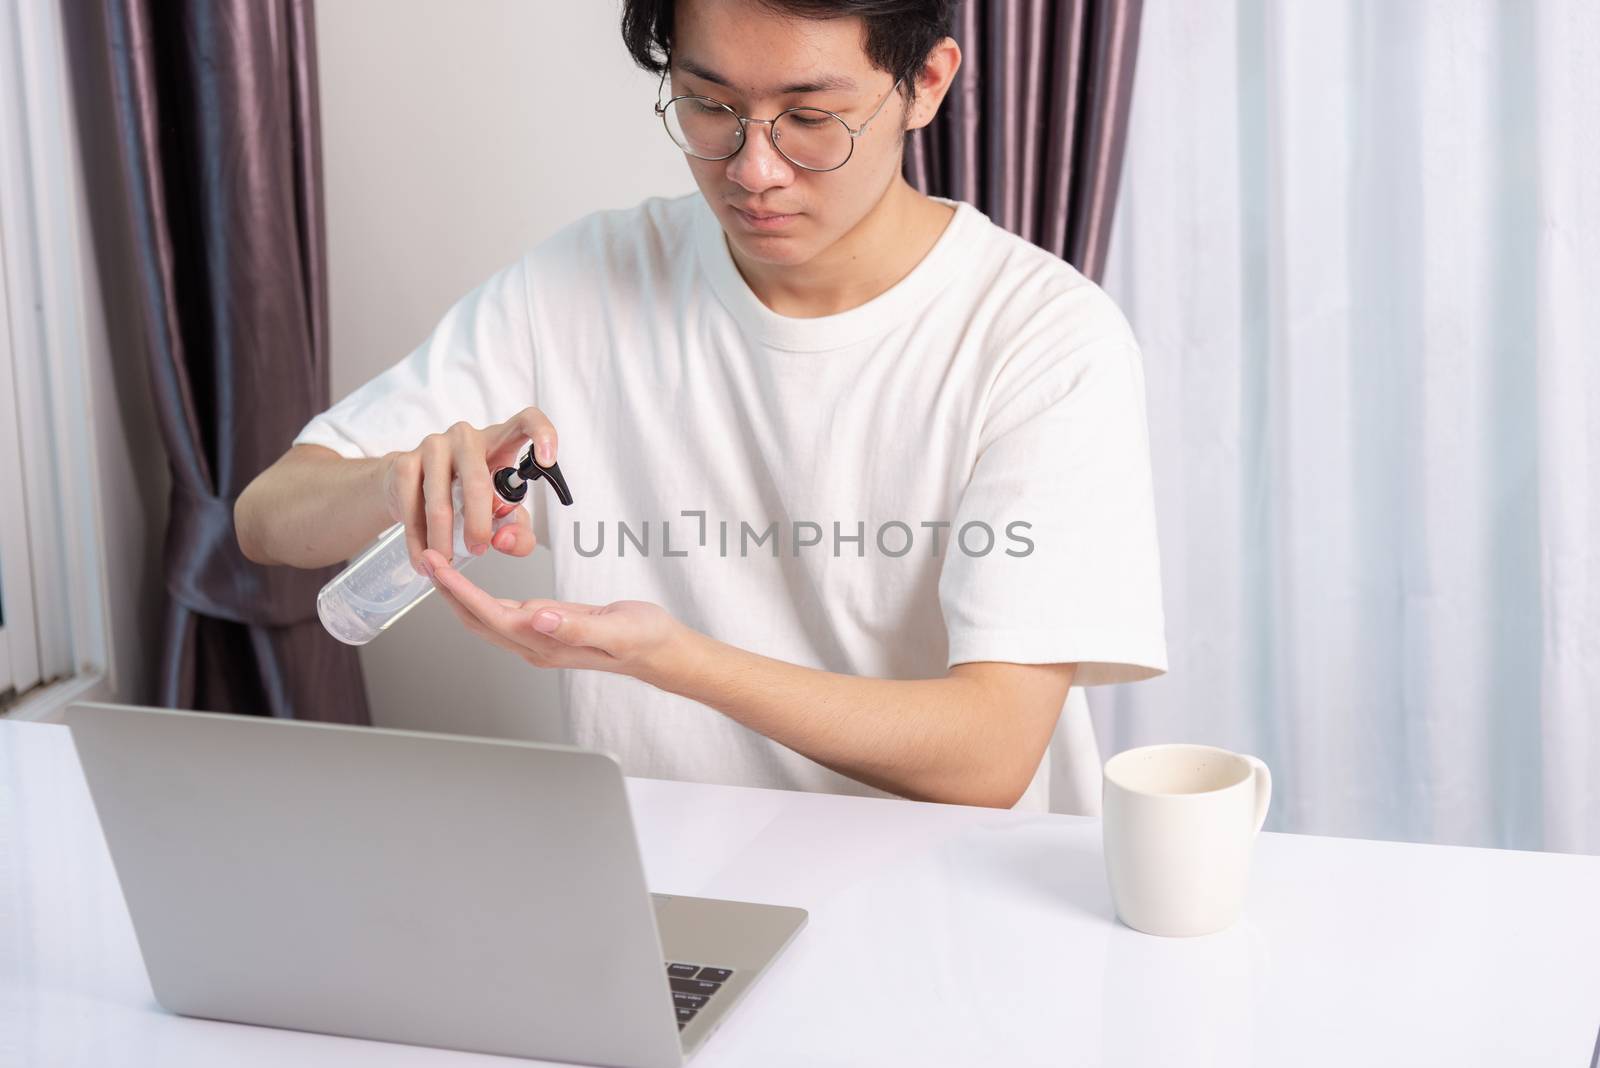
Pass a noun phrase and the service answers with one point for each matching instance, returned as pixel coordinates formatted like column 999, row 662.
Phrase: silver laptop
column 438, row 890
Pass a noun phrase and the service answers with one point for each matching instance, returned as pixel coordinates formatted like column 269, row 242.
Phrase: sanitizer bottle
column 380, row 585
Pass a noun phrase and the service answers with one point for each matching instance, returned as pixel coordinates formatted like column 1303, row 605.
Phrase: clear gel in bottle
column 380, row 585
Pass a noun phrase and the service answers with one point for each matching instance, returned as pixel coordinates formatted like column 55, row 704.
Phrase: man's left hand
column 634, row 638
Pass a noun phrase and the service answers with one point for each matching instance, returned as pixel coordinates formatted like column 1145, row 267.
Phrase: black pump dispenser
column 512, row 482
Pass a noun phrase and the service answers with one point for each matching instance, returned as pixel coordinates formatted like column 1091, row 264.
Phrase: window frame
column 55, row 584
column 19, row 655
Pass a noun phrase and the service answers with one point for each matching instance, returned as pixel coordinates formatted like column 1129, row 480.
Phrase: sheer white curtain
column 1360, row 242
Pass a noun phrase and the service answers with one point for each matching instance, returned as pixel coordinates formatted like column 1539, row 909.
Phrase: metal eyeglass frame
column 745, row 120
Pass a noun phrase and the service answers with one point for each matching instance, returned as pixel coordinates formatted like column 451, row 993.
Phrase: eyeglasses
column 809, row 138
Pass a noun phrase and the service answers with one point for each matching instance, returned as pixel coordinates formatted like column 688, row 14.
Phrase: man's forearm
column 952, row 739
column 311, row 508
column 974, row 737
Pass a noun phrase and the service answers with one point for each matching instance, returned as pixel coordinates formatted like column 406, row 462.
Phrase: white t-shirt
column 993, row 389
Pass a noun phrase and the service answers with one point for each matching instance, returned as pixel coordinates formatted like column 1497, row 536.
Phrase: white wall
column 455, row 135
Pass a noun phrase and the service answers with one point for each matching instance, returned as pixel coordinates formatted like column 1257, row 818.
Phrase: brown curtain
column 215, row 105
column 1033, row 129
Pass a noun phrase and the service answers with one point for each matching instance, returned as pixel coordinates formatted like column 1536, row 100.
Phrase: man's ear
column 933, row 82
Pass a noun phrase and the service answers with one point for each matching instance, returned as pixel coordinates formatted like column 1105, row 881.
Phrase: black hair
column 900, row 33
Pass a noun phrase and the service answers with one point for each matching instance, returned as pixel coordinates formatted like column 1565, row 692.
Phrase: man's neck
column 880, row 250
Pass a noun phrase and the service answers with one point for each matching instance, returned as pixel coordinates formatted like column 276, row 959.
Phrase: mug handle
column 1263, row 780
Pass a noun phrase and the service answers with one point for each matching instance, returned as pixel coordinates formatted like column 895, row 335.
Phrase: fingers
column 530, row 424
column 516, row 538
column 484, row 608
column 507, row 623
column 477, row 493
column 573, row 628
column 589, row 634
column 468, row 618
column 475, row 625
column 438, row 509
column 419, row 485
column 495, row 619
column 549, row 621
column 576, row 626
column 405, row 490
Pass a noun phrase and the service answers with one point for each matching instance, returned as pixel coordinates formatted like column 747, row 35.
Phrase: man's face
column 752, row 59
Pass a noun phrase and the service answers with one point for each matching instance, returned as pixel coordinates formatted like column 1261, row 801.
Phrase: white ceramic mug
column 1179, row 822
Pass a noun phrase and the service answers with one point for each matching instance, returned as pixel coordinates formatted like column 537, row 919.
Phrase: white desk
column 939, row 935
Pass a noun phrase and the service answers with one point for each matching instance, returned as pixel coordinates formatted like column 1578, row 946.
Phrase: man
column 894, row 458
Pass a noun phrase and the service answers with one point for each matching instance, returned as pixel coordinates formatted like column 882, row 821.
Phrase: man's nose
column 758, row 166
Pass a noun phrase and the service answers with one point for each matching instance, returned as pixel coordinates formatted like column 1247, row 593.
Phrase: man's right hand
column 416, row 485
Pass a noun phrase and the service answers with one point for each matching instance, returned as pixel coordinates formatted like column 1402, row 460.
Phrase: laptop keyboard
column 692, row 986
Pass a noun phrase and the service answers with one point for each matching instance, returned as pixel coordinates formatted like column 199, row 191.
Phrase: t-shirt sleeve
column 476, row 366
column 1062, row 479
